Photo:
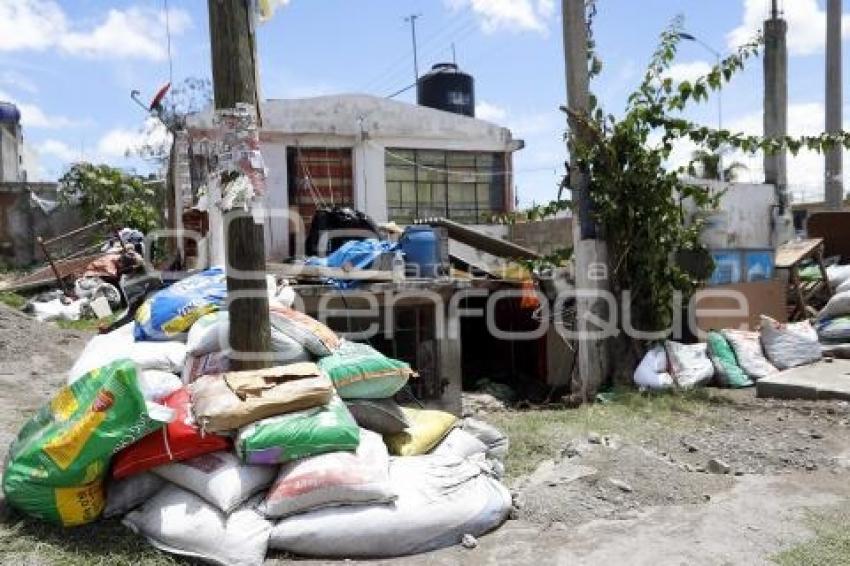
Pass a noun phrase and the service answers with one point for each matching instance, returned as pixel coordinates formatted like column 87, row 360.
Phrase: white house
column 392, row 160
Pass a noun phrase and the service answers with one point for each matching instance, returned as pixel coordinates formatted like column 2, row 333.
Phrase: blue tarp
column 356, row 254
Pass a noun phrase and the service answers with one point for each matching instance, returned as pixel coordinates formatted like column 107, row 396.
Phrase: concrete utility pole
column 235, row 81
column 776, row 101
column 589, row 252
column 834, row 174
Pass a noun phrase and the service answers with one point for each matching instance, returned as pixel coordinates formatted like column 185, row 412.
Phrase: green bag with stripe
column 358, row 371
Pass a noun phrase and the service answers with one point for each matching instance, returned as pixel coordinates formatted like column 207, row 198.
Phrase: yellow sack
column 427, row 429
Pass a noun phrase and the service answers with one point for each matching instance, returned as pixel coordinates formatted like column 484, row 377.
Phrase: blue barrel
column 421, row 247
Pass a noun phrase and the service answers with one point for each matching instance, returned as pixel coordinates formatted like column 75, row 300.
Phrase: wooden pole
column 589, row 251
column 234, row 81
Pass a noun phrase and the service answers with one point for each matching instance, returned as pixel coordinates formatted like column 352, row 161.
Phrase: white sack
column 156, row 384
column 789, row 345
column 843, row 287
column 104, row 349
column 179, row 522
column 333, row 479
column 122, row 496
column 689, row 364
column 495, row 440
column 440, row 499
column 219, row 478
column 652, row 373
column 211, row 334
column 749, row 353
column 57, row 310
column 838, row 274
column 460, row 444
column 838, row 305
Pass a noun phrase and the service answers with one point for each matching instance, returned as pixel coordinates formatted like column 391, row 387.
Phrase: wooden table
column 790, row 257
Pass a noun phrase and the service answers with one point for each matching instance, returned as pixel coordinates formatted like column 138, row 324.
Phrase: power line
column 391, row 76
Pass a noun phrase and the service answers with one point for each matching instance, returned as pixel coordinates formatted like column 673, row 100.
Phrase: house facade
column 392, row 160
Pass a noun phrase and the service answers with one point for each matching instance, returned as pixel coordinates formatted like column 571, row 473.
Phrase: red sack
column 179, row 440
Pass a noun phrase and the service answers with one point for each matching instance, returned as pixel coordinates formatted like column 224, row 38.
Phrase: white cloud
column 59, row 150
column 490, row 112
column 134, row 33
column 806, row 25
column 32, row 116
column 688, row 71
column 510, row 15
column 118, row 142
column 18, row 81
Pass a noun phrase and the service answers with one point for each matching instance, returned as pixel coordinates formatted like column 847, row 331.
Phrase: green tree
column 706, row 165
column 104, row 192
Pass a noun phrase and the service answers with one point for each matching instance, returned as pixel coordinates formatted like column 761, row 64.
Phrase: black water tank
column 447, row 88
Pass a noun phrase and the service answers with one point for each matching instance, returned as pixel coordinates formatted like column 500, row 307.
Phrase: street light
column 717, row 57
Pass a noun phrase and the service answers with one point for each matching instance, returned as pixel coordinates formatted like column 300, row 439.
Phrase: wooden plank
column 293, row 271
column 793, row 253
column 478, row 240
column 763, row 297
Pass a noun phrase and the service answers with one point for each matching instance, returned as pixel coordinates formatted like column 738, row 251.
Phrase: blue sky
column 71, row 65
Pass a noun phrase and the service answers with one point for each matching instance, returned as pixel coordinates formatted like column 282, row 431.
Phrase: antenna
column 774, row 9
column 412, row 19
column 454, row 53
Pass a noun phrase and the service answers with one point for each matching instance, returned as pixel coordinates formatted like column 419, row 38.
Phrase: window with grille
column 461, row 185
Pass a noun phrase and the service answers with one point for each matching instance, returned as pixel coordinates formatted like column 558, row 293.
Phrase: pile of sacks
column 833, row 322
column 730, row 358
column 311, row 457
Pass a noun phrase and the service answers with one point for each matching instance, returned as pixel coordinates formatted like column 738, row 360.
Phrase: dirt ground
column 716, row 477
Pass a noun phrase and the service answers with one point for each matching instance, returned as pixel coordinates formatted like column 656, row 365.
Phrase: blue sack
column 173, row 310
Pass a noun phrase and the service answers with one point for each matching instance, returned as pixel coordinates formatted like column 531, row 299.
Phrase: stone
column 717, row 466
column 469, row 542
column 621, row 485
column 594, row 438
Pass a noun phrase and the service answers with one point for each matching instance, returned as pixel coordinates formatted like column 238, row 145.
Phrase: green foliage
column 104, row 192
column 635, row 200
column 707, row 165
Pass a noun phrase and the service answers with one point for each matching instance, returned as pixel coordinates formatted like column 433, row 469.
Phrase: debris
column 716, row 466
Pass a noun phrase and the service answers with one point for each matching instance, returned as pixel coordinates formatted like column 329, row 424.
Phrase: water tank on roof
column 445, row 87
column 9, row 113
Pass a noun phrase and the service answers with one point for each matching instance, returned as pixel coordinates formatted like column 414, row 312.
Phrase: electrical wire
column 391, row 75
column 168, row 40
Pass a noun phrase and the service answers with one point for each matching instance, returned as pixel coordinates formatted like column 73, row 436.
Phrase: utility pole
column 834, row 170
column 412, row 19
column 233, row 49
column 776, row 101
column 590, row 252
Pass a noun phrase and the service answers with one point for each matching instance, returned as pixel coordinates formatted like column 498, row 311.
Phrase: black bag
column 332, row 227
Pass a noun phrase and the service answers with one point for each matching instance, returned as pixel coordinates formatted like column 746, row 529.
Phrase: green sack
column 358, row 371
column 328, row 428
column 728, row 372
column 55, row 466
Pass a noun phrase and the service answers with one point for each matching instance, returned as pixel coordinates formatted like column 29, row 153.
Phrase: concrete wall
column 10, row 153
column 545, row 237
column 21, row 221
column 743, row 218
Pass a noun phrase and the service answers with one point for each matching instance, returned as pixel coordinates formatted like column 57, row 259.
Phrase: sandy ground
column 642, row 496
